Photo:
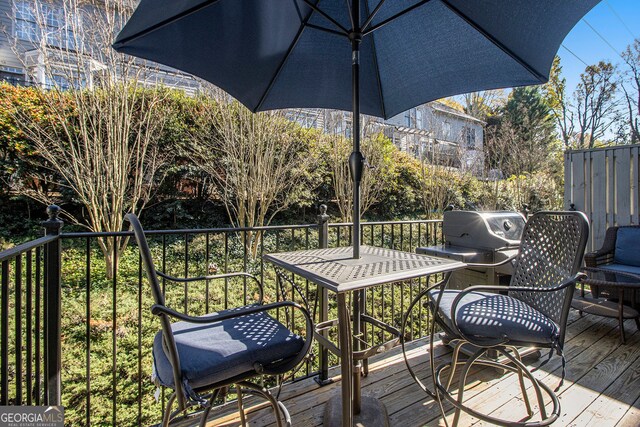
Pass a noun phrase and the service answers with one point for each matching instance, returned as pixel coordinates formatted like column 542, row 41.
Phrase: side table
column 615, row 281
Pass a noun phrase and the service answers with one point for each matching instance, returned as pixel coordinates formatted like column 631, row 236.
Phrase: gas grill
column 479, row 238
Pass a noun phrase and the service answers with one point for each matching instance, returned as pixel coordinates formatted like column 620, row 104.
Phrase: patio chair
column 196, row 357
column 531, row 312
column 620, row 251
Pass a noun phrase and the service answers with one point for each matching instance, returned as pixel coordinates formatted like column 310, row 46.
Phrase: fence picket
column 603, row 183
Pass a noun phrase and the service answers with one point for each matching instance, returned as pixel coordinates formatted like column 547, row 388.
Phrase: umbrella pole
column 356, row 160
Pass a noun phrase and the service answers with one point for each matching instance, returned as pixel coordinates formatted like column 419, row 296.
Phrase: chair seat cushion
column 623, row 268
column 491, row 317
column 214, row 353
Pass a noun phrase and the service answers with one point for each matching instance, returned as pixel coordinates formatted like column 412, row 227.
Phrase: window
column 419, row 119
column 303, row 118
column 337, row 129
column 12, row 75
column 26, row 28
column 470, row 137
column 446, row 131
column 57, row 81
column 55, row 28
column 347, row 129
column 407, row 118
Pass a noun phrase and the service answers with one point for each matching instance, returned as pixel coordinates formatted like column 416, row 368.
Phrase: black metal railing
column 85, row 329
column 29, row 362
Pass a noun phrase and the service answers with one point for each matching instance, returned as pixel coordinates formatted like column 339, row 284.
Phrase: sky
column 616, row 21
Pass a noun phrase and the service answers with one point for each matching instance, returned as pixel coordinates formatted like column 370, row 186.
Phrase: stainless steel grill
column 479, row 237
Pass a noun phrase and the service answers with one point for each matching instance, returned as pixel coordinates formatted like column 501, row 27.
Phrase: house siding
column 7, row 56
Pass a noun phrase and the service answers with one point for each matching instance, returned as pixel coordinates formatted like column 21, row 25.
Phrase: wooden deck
column 602, row 385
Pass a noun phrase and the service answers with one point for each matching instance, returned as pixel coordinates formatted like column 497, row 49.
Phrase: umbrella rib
column 159, row 25
column 353, row 25
column 375, row 55
column 325, row 16
column 372, row 14
column 495, row 41
column 394, row 17
column 293, row 44
column 326, row 30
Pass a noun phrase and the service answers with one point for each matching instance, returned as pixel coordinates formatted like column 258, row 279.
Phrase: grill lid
column 483, row 230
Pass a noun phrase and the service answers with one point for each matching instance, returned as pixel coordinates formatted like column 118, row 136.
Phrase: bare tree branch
column 104, row 146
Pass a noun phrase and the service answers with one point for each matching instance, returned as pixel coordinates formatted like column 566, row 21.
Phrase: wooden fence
column 603, row 183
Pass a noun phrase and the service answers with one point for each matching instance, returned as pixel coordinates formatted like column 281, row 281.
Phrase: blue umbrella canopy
column 377, row 57
column 272, row 54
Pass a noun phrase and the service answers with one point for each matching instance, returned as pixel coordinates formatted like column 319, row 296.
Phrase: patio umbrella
column 373, row 57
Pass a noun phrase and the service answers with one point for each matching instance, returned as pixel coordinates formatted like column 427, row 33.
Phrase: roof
column 439, row 106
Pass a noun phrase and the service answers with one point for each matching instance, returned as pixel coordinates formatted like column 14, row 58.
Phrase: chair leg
column 166, row 417
column 523, row 387
column 463, row 381
column 243, row 420
column 621, row 317
column 285, row 414
column 536, row 387
column 279, row 410
column 207, row 410
column 454, row 362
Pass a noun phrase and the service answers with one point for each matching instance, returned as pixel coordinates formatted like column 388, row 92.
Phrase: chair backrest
column 147, row 261
column 551, row 252
column 158, row 297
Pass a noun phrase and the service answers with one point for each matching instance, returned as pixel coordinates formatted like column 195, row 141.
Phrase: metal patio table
column 336, row 270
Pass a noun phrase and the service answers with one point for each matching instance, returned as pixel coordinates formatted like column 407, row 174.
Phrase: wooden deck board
column 632, row 417
column 601, row 388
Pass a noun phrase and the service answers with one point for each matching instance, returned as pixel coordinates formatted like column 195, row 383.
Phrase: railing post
column 323, row 228
column 52, row 308
column 323, row 243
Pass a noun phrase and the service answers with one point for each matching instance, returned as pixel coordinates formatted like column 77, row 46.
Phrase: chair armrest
column 575, row 278
column 159, row 310
column 606, row 252
column 214, row 277
column 218, row 317
column 599, row 257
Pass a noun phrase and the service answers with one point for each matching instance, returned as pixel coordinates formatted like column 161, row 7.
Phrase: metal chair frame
column 507, row 348
column 204, row 397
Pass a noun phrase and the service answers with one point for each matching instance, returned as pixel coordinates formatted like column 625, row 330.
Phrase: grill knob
column 507, row 225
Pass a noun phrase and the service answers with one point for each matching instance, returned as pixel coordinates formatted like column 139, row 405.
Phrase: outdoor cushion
column 627, row 249
column 623, row 268
column 490, row 317
column 212, row 353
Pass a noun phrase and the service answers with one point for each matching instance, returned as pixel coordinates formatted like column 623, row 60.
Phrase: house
column 43, row 49
column 433, row 132
column 440, row 134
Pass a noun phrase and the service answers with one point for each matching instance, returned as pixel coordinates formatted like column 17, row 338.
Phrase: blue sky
column 617, row 21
